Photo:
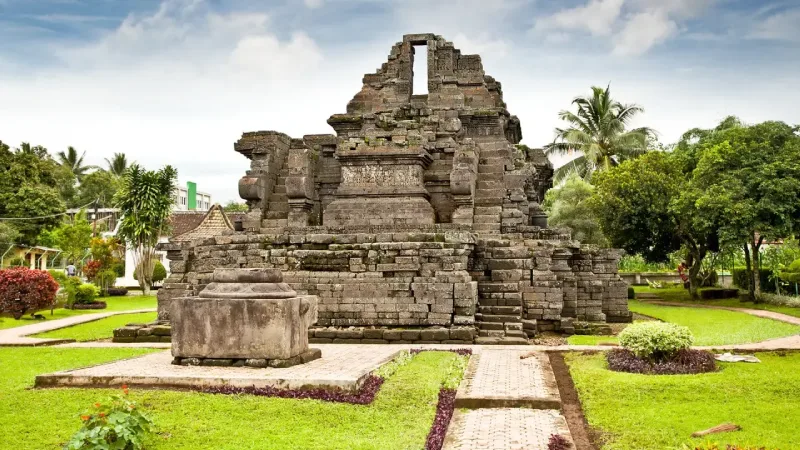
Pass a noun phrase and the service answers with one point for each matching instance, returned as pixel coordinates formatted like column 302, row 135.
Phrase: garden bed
column 92, row 305
column 684, row 362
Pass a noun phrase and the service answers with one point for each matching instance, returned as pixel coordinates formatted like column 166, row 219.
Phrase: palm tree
column 598, row 132
column 118, row 164
column 73, row 162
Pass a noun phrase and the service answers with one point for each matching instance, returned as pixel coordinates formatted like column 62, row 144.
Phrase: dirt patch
column 583, row 435
column 549, row 338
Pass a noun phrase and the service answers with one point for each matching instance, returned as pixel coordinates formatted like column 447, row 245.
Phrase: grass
column 661, row 412
column 717, row 327
column 679, row 294
column 97, row 329
column 709, row 326
column 399, row 418
column 127, row 303
column 591, row 340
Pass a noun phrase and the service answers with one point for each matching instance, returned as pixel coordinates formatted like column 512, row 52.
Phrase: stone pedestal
column 244, row 317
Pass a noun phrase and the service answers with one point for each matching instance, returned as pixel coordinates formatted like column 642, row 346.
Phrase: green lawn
column 679, row 294
column 591, row 340
column 114, row 304
column 399, row 418
column 717, row 327
column 709, row 326
column 98, row 329
column 639, row 412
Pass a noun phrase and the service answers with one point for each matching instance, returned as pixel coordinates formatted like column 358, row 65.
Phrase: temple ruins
column 418, row 220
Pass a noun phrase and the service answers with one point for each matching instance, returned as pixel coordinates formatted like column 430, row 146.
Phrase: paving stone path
column 16, row 337
column 344, row 366
column 514, row 403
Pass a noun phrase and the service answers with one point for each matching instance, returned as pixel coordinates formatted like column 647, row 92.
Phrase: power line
column 46, row 217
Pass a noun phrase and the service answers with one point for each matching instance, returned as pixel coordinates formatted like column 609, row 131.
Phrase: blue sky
column 177, row 81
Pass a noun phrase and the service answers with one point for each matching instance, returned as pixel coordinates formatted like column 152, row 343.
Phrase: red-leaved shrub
column 24, row 290
column 91, row 268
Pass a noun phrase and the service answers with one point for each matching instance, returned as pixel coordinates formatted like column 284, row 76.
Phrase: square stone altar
column 244, row 317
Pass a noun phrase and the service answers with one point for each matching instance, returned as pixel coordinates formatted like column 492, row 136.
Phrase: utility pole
column 94, row 223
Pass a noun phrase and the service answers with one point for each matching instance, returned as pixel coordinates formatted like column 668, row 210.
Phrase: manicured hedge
column 718, row 293
column 117, row 292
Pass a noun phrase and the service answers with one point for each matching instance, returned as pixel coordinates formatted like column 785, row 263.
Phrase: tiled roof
column 209, row 224
column 185, row 221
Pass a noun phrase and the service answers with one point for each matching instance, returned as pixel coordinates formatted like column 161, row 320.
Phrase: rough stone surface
column 419, row 212
column 243, row 314
column 340, row 366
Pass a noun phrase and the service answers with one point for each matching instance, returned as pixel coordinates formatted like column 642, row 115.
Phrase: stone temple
column 418, row 220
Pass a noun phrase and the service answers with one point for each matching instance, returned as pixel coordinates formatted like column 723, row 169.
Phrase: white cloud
column 597, row 17
column 632, row 26
column 782, row 26
column 177, row 86
column 313, row 4
column 642, row 31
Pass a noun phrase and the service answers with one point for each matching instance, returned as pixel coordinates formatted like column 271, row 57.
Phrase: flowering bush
column 24, row 290
column 117, row 424
column 655, row 341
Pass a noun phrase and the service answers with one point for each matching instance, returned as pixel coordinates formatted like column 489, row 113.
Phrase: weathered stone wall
column 420, row 211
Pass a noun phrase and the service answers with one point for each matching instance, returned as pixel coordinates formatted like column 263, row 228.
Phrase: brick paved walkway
column 16, row 337
column 500, row 378
column 504, row 429
column 344, row 366
column 514, row 403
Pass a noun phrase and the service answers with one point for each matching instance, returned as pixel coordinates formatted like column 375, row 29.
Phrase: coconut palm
column 73, row 162
column 598, row 131
column 118, row 164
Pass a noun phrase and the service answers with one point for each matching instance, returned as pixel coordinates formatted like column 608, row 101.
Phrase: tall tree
column 71, row 160
column 118, row 164
column 99, row 186
column 29, row 192
column 598, row 130
column 568, row 206
column 145, row 201
column 648, row 206
column 73, row 236
column 748, row 180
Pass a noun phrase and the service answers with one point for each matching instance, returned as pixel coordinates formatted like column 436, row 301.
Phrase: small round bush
column 159, row 272
column 24, row 290
column 655, row 340
column 86, row 293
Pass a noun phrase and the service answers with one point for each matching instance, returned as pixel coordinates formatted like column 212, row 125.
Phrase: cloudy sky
column 178, row 81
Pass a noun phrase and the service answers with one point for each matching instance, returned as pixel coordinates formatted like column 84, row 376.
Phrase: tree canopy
column 145, row 202
column 118, row 164
column 748, row 182
column 598, row 130
column 73, row 162
column 30, row 189
column 568, row 206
